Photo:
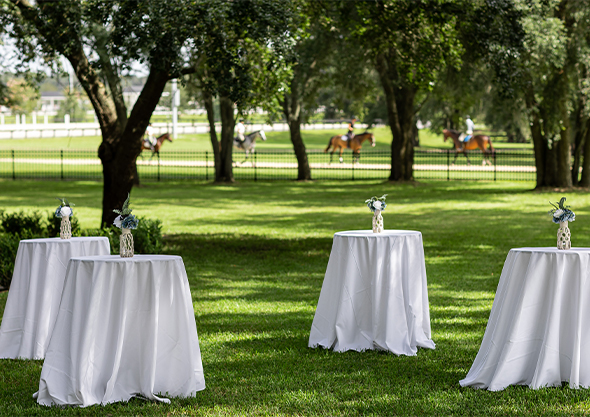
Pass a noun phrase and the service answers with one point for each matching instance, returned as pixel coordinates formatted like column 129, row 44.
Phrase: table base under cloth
column 537, row 334
column 35, row 292
column 374, row 294
column 126, row 327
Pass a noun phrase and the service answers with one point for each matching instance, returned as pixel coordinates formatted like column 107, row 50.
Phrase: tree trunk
column 226, row 111
column 400, row 115
column 118, row 153
column 303, row 170
column 552, row 162
column 579, row 135
column 292, row 111
column 564, row 158
column 208, row 101
column 585, row 180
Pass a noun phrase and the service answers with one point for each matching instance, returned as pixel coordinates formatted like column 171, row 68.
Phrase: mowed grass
column 256, row 254
column 313, row 139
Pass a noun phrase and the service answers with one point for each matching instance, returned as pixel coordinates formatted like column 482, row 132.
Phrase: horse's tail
column 492, row 150
column 329, row 144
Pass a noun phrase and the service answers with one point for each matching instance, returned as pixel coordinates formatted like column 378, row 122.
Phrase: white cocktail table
column 125, row 327
column 35, row 292
column 537, row 333
column 374, row 294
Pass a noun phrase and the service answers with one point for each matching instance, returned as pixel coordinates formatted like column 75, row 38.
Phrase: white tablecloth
column 35, row 292
column 537, row 333
column 374, row 294
column 125, row 327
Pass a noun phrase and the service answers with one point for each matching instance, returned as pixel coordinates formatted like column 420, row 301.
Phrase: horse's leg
column 466, row 157
column 341, row 159
column 486, row 154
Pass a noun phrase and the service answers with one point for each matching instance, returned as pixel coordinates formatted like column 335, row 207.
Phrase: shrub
column 148, row 236
column 19, row 222
column 111, row 233
column 8, row 249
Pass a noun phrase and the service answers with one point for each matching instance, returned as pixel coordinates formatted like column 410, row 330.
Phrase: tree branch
column 111, row 75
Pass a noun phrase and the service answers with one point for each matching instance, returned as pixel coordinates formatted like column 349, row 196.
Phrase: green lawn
column 256, row 254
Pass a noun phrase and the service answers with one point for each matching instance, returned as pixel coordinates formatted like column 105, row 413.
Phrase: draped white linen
column 374, row 294
column 125, row 327
column 537, row 331
column 35, row 292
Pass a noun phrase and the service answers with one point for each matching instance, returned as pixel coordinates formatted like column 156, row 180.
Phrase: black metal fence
column 509, row 165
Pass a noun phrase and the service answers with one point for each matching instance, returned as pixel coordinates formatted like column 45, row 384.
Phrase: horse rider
column 241, row 130
column 350, row 133
column 470, row 127
column 150, row 137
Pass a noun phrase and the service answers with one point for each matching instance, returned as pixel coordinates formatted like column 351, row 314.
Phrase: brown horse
column 354, row 144
column 476, row 141
column 145, row 145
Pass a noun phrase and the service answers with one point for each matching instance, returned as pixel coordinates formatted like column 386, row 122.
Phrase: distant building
column 131, row 94
column 51, row 101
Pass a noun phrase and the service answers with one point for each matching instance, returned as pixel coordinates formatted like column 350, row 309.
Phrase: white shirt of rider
column 241, row 128
column 470, row 126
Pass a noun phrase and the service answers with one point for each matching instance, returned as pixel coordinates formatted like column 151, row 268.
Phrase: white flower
column 377, row 205
column 117, row 222
column 66, row 211
column 558, row 213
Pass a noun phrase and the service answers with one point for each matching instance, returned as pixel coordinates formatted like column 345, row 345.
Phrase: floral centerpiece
column 377, row 205
column 561, row 214
column 64, row 211
column 126, row 221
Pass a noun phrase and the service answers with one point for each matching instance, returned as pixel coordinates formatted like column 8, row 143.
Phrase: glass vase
column 126, row 244
column 65, row 228
column 564, row 236
column 377, row 222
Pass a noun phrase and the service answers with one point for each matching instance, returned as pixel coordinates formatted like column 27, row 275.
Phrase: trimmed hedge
column 28, row 225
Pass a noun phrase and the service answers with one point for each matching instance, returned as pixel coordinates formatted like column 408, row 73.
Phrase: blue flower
column 371, row 203
column 130, row 222
column 562, row 213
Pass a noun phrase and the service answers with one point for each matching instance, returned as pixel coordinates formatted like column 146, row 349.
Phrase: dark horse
column 354, row 144
column 145, row 145
column 249, row 143
column 476, row 141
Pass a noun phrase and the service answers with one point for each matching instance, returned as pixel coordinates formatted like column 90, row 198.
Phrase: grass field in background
column 314, row 140
column 256, row 254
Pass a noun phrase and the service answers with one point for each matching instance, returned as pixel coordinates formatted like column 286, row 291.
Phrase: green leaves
column 125, row 210
column 64, row 202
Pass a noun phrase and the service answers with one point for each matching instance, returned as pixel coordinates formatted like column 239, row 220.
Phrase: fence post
column 255, row 172
column 448, row 165
column 61, row 155
column 494, row 154
column 13, row 172
column 352, row 160
column 158, row 166
column 207, row 165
